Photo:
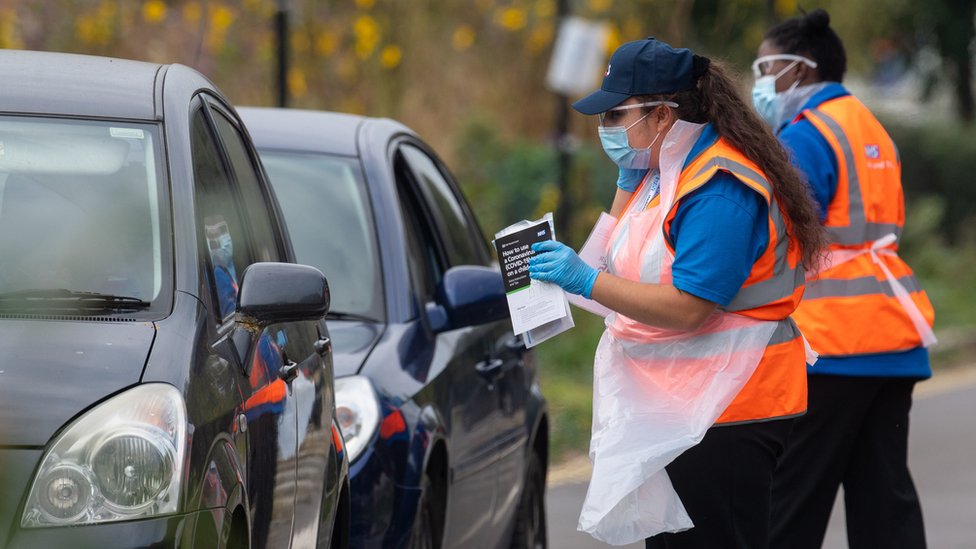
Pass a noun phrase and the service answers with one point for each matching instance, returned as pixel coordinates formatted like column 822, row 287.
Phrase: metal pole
column 281, row 35
column 564, row 213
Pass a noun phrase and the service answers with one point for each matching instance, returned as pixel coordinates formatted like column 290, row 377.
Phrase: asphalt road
column 942, row 457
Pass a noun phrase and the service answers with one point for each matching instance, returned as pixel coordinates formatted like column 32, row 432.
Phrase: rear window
column 326, row 208
column 80, row 208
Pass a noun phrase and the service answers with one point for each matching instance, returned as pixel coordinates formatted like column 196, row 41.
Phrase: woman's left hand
column 557, row 263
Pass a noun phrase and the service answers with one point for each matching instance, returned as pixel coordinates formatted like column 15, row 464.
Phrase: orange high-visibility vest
column 850, row 308
column 778, row 388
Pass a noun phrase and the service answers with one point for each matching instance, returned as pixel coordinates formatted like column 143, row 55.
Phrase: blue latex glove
column 558, row 263
column 629, row 180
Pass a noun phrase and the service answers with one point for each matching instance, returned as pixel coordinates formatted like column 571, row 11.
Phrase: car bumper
column 168, row 531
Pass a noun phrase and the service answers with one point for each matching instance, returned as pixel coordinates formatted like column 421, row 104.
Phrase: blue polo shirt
column 815, row 159
column 718, row 232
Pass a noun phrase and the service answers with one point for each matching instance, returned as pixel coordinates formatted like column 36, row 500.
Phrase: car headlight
column 121, row 460
column 357, row 411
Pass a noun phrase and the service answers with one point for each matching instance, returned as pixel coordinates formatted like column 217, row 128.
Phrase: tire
column 428, row 525
column 530, row 517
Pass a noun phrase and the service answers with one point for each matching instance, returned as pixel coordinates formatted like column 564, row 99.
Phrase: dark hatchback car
column 439, row 403
column 165, row 369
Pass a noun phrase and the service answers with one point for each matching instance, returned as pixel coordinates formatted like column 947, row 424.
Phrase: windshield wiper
column 62, row 298
column 339, row 315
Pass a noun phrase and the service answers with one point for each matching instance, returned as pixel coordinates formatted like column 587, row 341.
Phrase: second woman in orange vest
column 865, row 313
column 701, row 370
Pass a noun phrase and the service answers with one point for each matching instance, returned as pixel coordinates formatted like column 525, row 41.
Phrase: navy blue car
column 438, row 402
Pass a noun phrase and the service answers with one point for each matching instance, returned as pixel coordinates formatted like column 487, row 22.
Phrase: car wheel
column 428, row 523
column 530, row 518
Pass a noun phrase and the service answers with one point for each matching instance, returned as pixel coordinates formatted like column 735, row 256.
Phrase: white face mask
column 768, row 103
column 617, row 146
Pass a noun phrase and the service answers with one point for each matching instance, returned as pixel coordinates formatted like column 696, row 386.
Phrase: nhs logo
column 872, row 151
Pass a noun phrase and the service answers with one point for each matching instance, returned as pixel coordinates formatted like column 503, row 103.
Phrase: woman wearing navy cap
column 701, row 369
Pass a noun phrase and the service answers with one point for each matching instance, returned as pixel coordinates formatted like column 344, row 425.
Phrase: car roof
column 303, row 130
column 79, row 85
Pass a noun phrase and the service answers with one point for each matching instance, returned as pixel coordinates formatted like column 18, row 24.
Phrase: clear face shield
column 615, row 117
column 763, row 65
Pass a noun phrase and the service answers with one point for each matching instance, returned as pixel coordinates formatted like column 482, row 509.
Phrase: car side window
column 259, row 219
column 448, row 213
column 427, row 261
column 223, row 238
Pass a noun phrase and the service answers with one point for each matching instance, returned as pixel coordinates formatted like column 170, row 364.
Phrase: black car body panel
column 457, row 400
column 263, row 460
column 39, row 351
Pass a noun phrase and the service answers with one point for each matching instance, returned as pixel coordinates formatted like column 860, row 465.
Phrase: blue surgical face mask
column 222, row 251
column 617, row 146
column 764, row 99
column 768, row 103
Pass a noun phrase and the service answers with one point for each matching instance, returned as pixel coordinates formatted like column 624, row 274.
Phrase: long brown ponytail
column 715, row 99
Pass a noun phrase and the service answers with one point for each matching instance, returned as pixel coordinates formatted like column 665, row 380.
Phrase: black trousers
column 725, row 484
column 855, row 433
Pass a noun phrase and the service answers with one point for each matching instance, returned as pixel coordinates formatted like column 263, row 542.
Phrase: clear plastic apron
column 655, row 391
column 879, row 248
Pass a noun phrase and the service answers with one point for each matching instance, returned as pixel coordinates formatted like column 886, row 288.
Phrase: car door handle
column 289, row 371
column 516, row 345
column 490, row 368
column 322, row 345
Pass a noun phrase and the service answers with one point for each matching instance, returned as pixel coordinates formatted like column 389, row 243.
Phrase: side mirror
column 469, row 295
column 282, row 292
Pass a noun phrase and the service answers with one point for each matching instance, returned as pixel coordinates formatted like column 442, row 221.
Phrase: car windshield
column 326, row 207
column 79, row 213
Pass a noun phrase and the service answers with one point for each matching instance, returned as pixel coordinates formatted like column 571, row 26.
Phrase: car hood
column 51, row 370
column 352, row 342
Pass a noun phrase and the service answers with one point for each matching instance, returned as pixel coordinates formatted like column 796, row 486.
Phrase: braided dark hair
column 810, row 35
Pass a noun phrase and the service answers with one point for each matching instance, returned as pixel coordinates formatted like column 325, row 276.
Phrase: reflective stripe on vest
column 851, row 307
column 859, row 230
column 771, row 291
column 853, row 287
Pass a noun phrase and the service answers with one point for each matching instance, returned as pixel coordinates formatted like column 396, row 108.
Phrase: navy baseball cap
column 643, row 67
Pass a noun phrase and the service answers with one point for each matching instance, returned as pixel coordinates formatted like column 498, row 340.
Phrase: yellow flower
column 614, row 40
column 463, row 37
column 221, row 17
column 325, row 43
column 511, row 19
column 367, row 33
column 390, row 56
column 297, row 85
column 9, row 30
column 154, row 11
column 540, row 37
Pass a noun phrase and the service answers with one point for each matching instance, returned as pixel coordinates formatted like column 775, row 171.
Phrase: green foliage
column 509, row 179
column 938, row 162
column 566, row 372
column 503, row 179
